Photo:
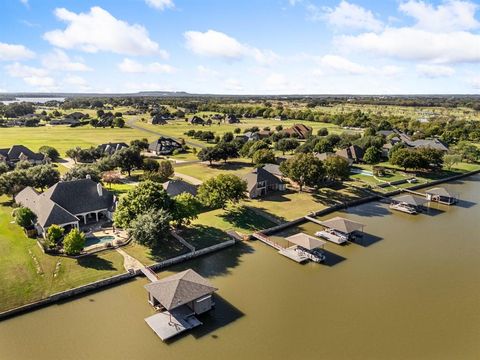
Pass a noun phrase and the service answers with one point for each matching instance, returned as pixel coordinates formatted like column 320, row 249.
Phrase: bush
column 49, row 151
column 25, row 217
column 54, row 234
column 74, row 242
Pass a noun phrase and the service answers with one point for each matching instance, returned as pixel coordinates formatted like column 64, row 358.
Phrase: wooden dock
column 149, row 274
column 266, row 240
column 309, row 218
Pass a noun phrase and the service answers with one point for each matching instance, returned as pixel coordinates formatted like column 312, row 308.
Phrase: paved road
column 132, row 122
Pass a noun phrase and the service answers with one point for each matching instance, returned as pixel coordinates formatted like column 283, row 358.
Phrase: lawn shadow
column 332, row 259
column 244, row 217
column 371, row 209
column 202, row 236
column 95, row 262
column 167, row 249
column 231, row 165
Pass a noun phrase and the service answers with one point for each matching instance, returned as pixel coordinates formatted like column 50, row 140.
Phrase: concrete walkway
column 189, row 178
column 129, row 262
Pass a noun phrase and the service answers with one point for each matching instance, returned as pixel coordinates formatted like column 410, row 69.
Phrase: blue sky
column 241, row 46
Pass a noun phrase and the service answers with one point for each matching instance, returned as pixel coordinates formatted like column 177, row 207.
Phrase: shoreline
column 127, row 276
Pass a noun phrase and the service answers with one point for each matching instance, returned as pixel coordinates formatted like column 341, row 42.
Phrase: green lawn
column 64, row 137
column 209, row 229
column 239, row 167
column 169, row 249
column 27, row 274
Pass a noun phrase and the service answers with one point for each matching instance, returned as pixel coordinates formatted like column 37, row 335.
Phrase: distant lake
column 41, row 100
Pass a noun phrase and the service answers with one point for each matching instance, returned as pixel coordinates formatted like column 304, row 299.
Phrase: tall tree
column 304, row 169
column 74, row 242
column 217, row 192
column 128, row 159
column 151, row 227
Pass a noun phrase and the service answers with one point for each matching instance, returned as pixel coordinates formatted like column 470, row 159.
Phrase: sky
column 241, row 46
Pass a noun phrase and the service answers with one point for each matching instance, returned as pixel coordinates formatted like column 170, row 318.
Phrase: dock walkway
column 149, row 274
column 266, row 240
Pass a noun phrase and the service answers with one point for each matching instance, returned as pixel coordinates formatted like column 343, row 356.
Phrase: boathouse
column 441, row 195
column 305, row 247
column 338, row 229
column 408, row 203
column 179, row 298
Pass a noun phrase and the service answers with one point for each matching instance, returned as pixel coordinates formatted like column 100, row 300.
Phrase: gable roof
column 273, row 169
column 110, row 148
column 410, row 200
column 353, row 152
column 440, row 191
column 306, row 241
column 429, row 144
column 80, row 196
column 259, row 175
column 343, row 225
column 14, row 153
column 303, row 131
column 180, row 289
column 164, row 145
column 177, row 187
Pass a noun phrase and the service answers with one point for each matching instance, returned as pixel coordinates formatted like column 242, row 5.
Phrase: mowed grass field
column 28, row 275
column 64, row 137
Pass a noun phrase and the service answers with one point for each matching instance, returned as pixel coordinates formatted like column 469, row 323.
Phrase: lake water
column 410, row 291
column 33, row 100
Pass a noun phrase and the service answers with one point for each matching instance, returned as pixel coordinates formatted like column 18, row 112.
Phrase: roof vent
column 99, row 189
column 88, row 177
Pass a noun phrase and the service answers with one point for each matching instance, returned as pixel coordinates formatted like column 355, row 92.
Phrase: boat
column 332, row 235
column 403, row 208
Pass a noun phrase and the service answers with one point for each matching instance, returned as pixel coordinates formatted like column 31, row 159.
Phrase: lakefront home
column 18, row 153
column 68, row 204
column 353, row 153
column 299, row 131
column 261, row 181
column 177, row 187
column 111, row 148
column 164, row 146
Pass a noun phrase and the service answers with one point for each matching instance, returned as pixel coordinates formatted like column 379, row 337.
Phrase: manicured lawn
column 201, row 171
column 119, row 189
column 291, row 204
column 64, row 137
column 209, row 229
column 27, row 274
column 169, row 249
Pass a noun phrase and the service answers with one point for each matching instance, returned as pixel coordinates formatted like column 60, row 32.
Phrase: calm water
column 33, row 100
column 410, row 291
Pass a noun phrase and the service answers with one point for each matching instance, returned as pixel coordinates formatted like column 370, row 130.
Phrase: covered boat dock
column 408, row 203
column 441, row 195
column 178, row 298
column 305, row 248
column 338, row 230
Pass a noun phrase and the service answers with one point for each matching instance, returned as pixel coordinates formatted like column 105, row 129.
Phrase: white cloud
column 36, row 77
column 132, row 66
column 98, row 30
column 475, row 82
column 415, row 44
column 25, row 2
column 233, row 84
column 452, row 15
column 76, row 80
column 58, row 60
column 276, row 81
column 435, row 71
column 346, row 16
column 148, row 86
column 217, row 44
column 11, row 52
column 160, row 4
column 342, row 65
column 206, row 71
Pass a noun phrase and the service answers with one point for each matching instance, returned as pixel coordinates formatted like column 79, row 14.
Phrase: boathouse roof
column 440, row 191
column 180, row 289
column 306, row 241
column 410, row 200
column 343, row 225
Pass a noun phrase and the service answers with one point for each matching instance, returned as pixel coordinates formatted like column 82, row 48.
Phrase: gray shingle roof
column 177, row 187
column 13, row 154
column 180, row 289
column 259, row 175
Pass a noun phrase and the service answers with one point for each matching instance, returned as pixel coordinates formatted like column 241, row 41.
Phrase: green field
column 27, row 274
column 201, row 171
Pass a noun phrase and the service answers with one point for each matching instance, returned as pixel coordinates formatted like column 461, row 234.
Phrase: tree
column 73, row 153
column 23, row 165
column 25, row 217
column 225, row 151
column 227, row 137
column 50, row 152
column 304, row 169
column 468, row 151
column 128, row 159
column 408, row 159
column 119, row 122
column 322, row 132
column 74, row 242
column 218, row 191
column 372, row 155
column 54, row 234
column 111, row 177
column 323, row 146
column 286, row 144
column 150, row 165
column 141, row 144
column 451, row 160
column 336, row 168
column 83, row 171
column 13, row 182
column 432, row 158
column 146, row 196
column 165, row 170
column 209, row 154
column 43, row 176
column 263, row 156
column 151, row 227
column 187, row 208
column 3, row 168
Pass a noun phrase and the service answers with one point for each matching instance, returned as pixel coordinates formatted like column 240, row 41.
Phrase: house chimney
column 88, row 177
column 99, row 189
